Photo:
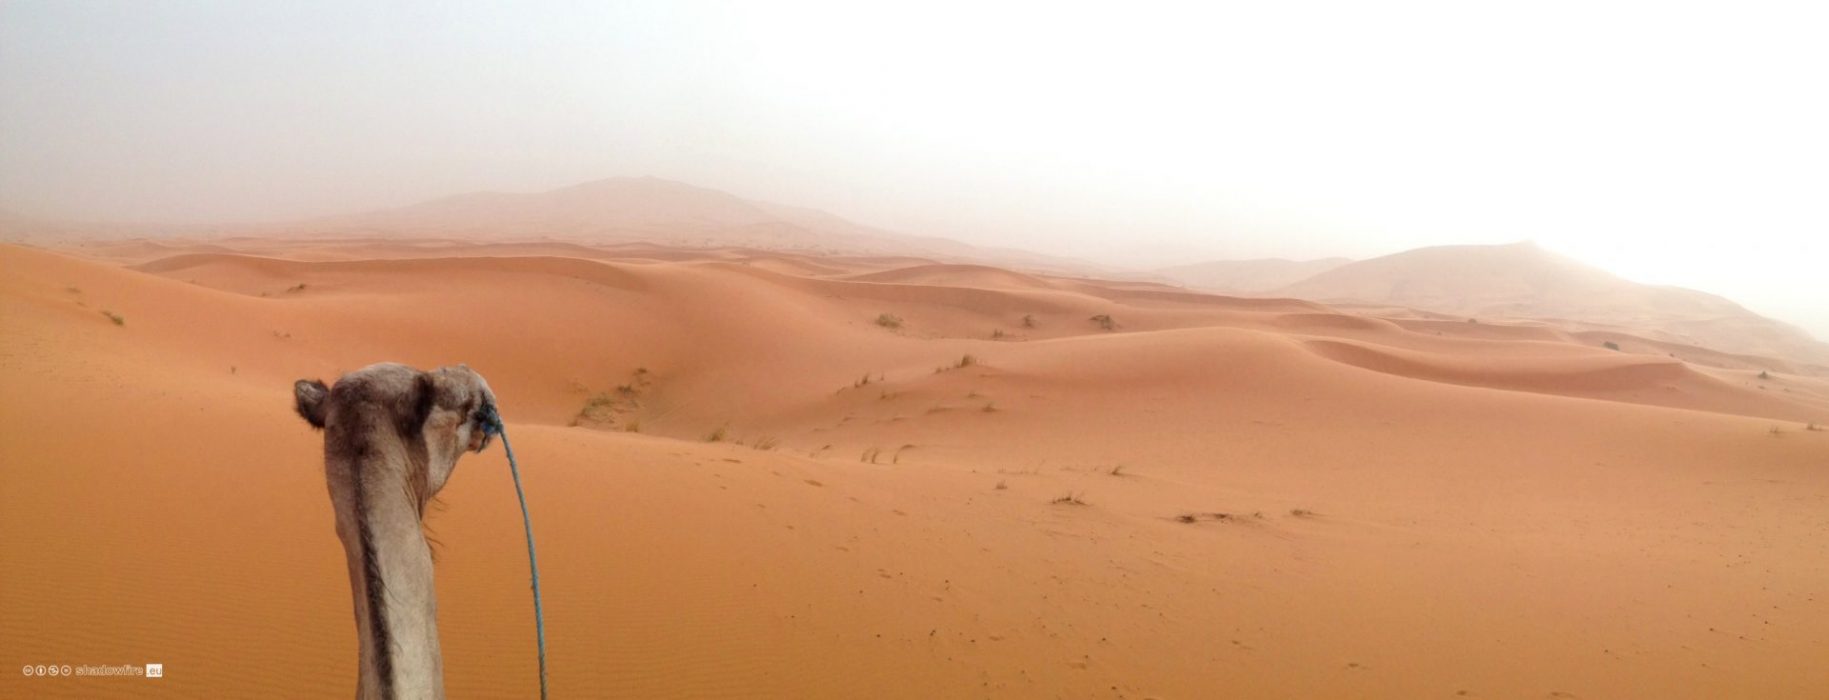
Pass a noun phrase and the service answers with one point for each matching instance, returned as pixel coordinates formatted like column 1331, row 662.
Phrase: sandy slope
column 1409, row 509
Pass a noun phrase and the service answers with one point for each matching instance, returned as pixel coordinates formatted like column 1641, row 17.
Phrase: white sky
column 1669, row 142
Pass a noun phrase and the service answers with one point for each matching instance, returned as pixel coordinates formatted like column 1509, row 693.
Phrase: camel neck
column 396, row 600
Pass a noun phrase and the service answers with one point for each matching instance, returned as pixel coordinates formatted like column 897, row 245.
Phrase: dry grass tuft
column 1071, row 499
column 889, row 320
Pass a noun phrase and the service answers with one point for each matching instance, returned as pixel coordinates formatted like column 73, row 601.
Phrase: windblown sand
column 1262, row 498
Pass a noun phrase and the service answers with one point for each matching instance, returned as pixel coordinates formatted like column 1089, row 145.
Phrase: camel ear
column 312, row 403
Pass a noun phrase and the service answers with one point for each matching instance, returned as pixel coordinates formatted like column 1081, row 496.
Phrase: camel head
column 437, row 414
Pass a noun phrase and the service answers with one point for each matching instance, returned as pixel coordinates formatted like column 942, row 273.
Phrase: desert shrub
column 1610, row 345
column 717, row 435
column 118, row 319
column 966, row 361
column 889, row 320
column 1105, row 322
column 1070, row 499
column 1028, row 321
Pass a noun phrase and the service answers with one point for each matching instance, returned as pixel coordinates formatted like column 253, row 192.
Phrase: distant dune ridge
column 1520, row 281
column 1525, row 281
column 631, row 209
column 1248, row 276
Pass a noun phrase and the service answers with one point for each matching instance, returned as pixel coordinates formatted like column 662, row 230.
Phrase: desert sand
column 759, row 474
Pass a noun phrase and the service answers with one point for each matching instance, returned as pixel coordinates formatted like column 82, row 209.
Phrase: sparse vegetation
column 118, row 319
column 889, row 320
column 1302, row 512
column 1764, row 374
column 966, row 361
column 1197, row 517
column 766, row 443
column 997, row 334
column 1105, row 322
column 1028, row 320
column 296, row 288
column 1812, row 427
column 1610, row 345
column 597, row 409
column 717, row 435
column 605, row 409
column 1117, row 471
column 633, row 426
column 1002, row 485
column 1070, row 499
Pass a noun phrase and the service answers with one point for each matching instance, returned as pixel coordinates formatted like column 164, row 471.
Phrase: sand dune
column 1265, row 497
column 1525, row 281
column 956, row 276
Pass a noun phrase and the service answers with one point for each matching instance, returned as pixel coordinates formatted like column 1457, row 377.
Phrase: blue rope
column 493, row 422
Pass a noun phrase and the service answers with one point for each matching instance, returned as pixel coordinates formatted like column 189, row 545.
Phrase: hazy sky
column 1669, row 142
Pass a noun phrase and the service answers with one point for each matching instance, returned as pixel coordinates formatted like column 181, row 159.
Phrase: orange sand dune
column 956, row 276
column 1267, row 498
